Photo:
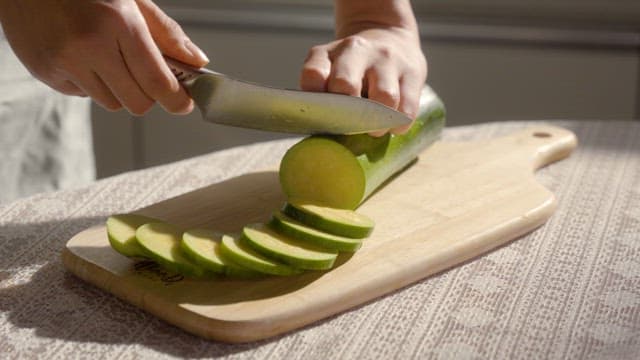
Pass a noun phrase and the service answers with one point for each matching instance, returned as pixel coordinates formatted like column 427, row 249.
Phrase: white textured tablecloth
column 570, row 289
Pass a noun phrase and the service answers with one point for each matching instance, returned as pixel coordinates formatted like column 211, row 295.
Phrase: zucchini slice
column 297, row 253
column 342, row 222
column 297, row 230
column 161, row 242
column 202, row 246
column 236, row 249
column 121, row 231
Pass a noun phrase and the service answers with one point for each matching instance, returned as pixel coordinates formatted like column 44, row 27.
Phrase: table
column 570, row 289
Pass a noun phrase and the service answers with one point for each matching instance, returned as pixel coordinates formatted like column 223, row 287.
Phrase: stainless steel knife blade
column 228, row 101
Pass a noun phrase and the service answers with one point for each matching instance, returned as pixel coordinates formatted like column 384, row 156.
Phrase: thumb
column 169, row 36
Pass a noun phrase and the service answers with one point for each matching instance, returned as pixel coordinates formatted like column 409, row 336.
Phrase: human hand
column 372, row 57
column 110, row 50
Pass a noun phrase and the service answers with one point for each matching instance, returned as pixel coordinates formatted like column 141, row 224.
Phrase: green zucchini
column 341, row 171
column 202, row 246
column 294, row 252
column 162, row 242
column 298, row 230
column 121, row 231
column 237, row 249
column 341, row 222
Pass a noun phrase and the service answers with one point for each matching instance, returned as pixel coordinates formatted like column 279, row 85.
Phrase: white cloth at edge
column 45, row 136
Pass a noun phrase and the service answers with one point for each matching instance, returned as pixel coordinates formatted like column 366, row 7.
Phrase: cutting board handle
column 544, row 144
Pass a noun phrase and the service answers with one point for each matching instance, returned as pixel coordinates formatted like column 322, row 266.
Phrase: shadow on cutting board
column 147, row 279
column 226, row 206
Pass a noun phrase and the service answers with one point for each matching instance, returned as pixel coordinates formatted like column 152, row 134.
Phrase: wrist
column 353, row 16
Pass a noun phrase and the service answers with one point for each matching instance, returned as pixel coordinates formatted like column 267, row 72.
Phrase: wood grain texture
column 458, row 201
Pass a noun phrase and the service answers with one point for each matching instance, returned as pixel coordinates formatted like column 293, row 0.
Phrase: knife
column 228, row 101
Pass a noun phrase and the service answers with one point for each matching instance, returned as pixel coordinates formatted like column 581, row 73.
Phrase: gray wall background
column 502, row 60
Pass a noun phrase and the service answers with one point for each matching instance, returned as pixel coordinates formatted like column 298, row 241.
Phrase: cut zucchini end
column 342, row 222
column 297, row 253
column 162, row 243
column 202, row 246
column 304, row 169
column 238, row 251
column 121, row 231
column 289, row 226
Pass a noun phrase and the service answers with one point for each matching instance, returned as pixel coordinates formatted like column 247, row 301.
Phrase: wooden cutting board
column 458, row 201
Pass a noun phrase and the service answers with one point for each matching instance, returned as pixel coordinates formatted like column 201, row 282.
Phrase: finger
column 378, row 133
column 91, row 84
column 68, row 88
column 169, row 36
column 383, row 81
column 349, row 62
column 117, row 77
column 383, row 87
column 145, row 63
column 410, row 89
column 316, row 70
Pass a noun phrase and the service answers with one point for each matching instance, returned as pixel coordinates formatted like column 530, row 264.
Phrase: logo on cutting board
column 155, row 272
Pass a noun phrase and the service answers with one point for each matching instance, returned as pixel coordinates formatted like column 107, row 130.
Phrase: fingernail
column 402, row 129
column 378, row 133
column 196, row 51
column 187, row 110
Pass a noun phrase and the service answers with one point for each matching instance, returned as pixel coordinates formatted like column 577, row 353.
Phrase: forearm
column 352, row 16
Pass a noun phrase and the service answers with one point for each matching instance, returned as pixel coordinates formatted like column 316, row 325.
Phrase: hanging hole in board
column 541, row 134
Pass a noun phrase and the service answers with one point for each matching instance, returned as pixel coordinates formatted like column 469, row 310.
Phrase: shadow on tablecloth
column 38, row 293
